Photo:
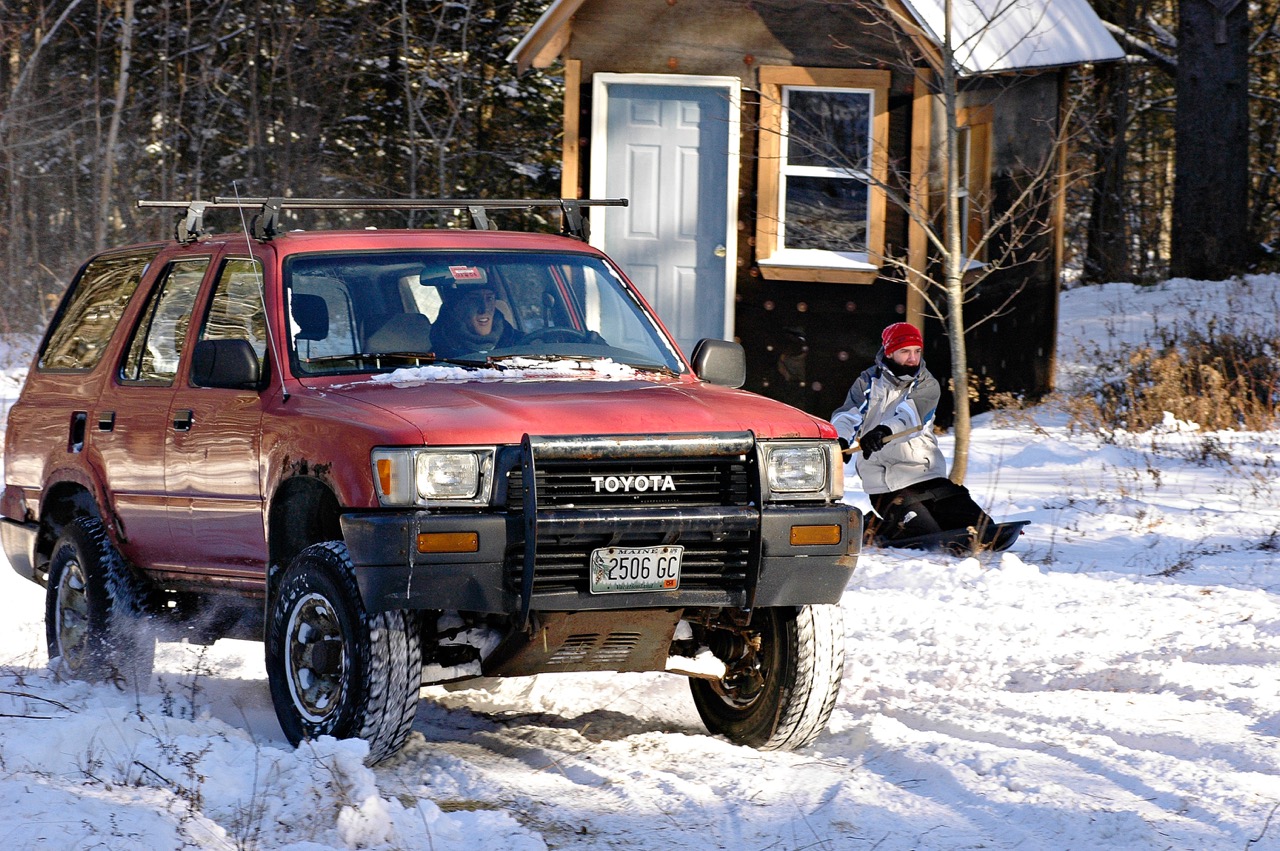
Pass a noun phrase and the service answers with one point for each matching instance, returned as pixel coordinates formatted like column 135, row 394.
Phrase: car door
column 212, row 450
column 130, row 426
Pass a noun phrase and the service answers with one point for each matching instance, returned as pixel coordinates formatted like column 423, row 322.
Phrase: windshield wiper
column 419, row 357
column 547, row 358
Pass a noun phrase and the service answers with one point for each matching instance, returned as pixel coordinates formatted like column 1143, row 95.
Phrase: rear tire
column 96, row 619
column 783, row 678
column 334, row 668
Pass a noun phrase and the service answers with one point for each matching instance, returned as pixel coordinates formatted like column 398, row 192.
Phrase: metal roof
column 994, row 36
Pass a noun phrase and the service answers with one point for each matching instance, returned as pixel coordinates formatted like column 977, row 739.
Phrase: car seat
column 404, row 332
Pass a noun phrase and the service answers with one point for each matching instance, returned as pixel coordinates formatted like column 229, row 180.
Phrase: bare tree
column 971, row 238
column 108, row 173
column 1184, row 91
column 102, row 103
column 28, row 119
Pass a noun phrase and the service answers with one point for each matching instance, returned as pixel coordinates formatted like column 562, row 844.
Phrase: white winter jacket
column 878, row 397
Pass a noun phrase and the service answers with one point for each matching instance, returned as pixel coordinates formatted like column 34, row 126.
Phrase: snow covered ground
column 1111, row 682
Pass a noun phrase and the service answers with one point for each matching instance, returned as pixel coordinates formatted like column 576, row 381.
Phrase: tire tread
column 387, row 695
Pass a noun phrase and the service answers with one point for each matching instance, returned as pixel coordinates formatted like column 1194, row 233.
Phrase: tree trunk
column 113, row 132
column 1107, row 240
column 954, row 258
column 1211, row 127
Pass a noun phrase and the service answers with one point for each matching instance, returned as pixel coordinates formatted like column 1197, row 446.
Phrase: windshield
column 378, row 311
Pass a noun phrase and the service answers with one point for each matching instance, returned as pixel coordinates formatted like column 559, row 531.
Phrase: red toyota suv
column 409, row 457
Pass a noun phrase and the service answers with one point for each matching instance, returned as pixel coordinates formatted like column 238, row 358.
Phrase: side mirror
column 231, row 364
column 720, row 362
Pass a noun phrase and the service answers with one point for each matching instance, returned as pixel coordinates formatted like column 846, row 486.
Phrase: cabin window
column 823, row 163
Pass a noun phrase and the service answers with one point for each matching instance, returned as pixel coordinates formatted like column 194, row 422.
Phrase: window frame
column 776, row 261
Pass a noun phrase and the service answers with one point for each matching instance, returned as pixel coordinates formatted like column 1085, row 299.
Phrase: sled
column 995, row 538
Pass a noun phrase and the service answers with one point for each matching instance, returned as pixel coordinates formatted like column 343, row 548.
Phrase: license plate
column 616, row 570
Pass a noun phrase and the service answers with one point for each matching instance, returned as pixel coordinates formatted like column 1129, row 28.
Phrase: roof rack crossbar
column 267, row 222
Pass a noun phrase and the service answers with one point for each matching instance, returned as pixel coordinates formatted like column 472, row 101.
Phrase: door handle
column 721, row 251
column 182, row 420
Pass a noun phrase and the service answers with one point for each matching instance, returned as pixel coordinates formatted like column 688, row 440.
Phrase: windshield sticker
column 466, row 273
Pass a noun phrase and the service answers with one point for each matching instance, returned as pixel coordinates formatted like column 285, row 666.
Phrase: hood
column 503, row 411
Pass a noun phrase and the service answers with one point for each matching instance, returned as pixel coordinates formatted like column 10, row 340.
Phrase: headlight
column 448, row 475
column 803, row 470
column 453, row 476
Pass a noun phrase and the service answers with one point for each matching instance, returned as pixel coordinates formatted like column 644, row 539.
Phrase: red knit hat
column 900, row 335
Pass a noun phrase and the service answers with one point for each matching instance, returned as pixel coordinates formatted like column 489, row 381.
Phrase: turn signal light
column 384, row 475
column 448, row 542
column 803, row 536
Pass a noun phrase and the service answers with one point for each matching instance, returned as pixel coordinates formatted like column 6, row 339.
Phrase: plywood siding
column 806, row 341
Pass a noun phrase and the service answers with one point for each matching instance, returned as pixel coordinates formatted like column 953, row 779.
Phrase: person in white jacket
column 889, row 414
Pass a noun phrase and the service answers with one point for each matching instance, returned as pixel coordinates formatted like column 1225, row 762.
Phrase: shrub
column 1224, row 376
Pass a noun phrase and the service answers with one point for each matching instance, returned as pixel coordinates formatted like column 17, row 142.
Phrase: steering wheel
column 562, row 335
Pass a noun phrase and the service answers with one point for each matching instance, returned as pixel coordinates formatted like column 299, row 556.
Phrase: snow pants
column 926, row 508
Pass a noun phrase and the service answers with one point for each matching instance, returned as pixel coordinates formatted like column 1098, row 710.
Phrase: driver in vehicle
column 469, row 322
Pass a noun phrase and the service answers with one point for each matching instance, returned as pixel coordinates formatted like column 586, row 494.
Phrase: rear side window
column 84, row 326
column 161, row 335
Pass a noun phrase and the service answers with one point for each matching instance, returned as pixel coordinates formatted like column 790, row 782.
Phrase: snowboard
column 995, row 538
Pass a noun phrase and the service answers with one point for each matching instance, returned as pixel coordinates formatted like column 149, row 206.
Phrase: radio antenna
column 262, row 294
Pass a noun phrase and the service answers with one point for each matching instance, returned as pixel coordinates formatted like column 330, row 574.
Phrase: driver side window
column 235, row 313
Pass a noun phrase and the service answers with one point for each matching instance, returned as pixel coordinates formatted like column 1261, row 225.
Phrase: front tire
column 334, row 668
column 96, row 619
column 784, row 672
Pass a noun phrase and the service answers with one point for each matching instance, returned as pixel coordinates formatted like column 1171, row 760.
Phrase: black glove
column 873, row 441
column 844, row 444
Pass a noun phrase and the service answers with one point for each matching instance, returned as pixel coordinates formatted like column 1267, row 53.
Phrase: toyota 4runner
column 409, row 457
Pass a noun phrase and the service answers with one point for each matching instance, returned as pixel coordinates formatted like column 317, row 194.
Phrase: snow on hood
column 515, row 369
column 497, row 405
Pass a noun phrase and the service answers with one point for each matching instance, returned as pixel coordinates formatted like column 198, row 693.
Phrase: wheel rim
column 316, row 658
column 73, row 614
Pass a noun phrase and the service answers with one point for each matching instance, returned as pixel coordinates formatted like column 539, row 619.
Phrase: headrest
column 311, row 314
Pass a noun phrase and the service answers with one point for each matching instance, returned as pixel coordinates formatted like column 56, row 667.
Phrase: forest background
column 103, row 102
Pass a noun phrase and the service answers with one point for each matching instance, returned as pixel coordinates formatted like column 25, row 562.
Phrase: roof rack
column 266, row 222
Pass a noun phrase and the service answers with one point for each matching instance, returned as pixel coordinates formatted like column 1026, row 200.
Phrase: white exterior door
column 669, row 144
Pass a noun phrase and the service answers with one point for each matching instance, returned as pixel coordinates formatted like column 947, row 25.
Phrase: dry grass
column 1225, row 376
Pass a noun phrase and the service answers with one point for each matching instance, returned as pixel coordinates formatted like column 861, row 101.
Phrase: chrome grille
column 617, row 484
column 698, row 491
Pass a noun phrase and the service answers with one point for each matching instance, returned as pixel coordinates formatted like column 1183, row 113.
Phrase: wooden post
column 917, row 241
column 571, row 151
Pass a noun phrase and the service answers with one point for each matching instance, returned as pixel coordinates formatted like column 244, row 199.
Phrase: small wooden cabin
column 776, row 152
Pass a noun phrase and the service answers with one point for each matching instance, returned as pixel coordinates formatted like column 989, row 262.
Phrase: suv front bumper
column 750, row 552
